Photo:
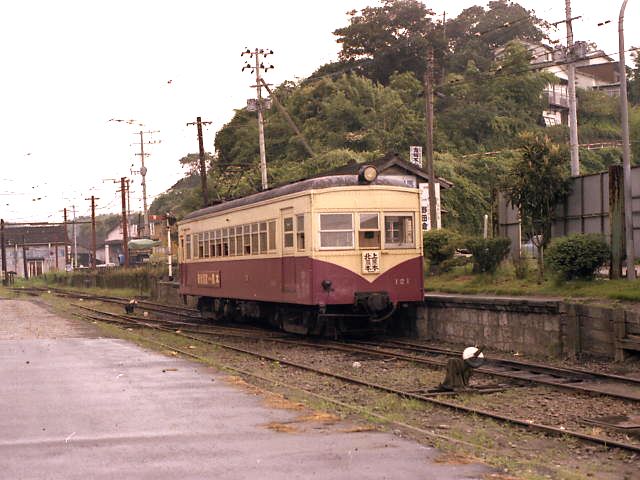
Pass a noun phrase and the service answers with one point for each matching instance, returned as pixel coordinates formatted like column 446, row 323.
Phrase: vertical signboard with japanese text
column 424, row 206
column 415, row 156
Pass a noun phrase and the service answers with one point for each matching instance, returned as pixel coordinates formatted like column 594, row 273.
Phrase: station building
column 32, row 250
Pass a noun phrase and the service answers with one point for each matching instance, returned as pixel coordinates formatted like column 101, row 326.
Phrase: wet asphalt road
column 76, row 407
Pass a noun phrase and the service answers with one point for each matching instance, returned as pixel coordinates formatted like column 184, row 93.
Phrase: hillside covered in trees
column 371, row 102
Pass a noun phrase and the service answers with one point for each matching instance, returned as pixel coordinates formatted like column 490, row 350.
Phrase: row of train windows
column 250, row 239
column 336, row 232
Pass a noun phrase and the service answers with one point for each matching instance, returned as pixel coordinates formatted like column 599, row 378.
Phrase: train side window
column 369, row 232
column 232, row 241
column 205, row 243
column 300, row 232
column 263, row 237
column 247, row 239
column 197, row 242
column 212, row 244
column 399, row 230
column 255, row 249
column 271, row 233
column 186, row 247
column 336, row 230
column 238, row 240
column 225, row 242
column 218, row 243
column 287, row 229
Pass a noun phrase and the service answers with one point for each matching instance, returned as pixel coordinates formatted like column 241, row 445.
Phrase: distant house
column 113, row 244
column 594, row 71
column 32, row 250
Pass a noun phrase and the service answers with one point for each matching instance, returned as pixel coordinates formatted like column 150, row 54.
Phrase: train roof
column 296, row 187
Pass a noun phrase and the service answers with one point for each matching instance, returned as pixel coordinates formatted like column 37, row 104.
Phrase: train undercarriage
column 369, row 315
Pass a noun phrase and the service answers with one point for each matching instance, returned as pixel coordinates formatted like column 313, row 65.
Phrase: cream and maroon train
column 320, row 256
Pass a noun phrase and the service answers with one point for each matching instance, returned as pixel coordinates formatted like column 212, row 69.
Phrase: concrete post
column 616, row 219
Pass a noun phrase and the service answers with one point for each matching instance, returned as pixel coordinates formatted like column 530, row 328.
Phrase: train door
column 288, row 258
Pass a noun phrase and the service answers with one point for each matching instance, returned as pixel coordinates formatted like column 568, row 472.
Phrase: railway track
column 572, row 379
column 176, row 328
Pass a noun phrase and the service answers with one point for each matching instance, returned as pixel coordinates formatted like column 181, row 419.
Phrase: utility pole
column 75, row 239
column 573, row 115
column 128, row 198
column 203, row 166
column 143, row 173
column 125, row 236
column 93, row 230
column 428, row 94
column 290, row 121
column 24, row 258
column 66, row 241
column 626, row 152
column 256, row 69
column 5, row 280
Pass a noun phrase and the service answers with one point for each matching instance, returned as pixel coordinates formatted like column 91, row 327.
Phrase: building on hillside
column 594, row 71
column 32, row 250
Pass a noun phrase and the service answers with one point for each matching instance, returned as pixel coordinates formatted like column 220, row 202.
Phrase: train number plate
column 208, row 279
column 371, row 262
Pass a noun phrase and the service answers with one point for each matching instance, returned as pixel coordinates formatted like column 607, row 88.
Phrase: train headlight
column 367, row 174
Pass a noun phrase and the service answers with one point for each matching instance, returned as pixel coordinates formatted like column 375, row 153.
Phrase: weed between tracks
column 517, row 453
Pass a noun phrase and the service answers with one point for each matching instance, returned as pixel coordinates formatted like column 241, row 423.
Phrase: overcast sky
column 69, row 66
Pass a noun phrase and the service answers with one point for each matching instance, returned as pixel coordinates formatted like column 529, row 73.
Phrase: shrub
column 577, row 256
column 488, row 253
column 439, row 246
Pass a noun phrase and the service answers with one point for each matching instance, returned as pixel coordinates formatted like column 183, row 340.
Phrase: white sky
column 68, row 66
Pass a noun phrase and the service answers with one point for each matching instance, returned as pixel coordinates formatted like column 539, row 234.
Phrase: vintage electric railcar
column 320, row 256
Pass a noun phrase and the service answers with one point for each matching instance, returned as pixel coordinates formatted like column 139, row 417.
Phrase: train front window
column 369, row 232
column 399, row 230
column 336, row 230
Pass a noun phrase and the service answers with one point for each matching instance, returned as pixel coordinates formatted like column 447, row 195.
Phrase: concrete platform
column 98, row 408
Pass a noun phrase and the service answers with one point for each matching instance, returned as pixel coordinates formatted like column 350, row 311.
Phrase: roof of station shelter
column 387, row 163
column 34, row 234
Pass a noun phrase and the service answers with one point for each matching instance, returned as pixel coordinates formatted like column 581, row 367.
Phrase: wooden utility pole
column 5, row 280
column 203, row 166
column 428, row 94
column 571, row 91
column 125, row 236
column 93, row 230
column 66, row 241
column 256, row 54
column 24, row 257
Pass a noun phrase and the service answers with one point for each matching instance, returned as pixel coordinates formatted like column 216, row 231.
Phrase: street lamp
column 626, row 152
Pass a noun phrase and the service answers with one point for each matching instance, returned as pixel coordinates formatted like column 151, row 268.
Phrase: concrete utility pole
column 93, row 230
column 203, row 166
column 3, row 250
column 573, row 115
column 143, row 173
column 626, row 152
column 125, row 236
column 258, row 86
column 428, row 94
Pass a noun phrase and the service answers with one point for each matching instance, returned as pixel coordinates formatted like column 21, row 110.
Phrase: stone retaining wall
column 545, row 327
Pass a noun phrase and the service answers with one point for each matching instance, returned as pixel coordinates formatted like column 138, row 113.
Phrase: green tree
column 475, row 34
column 535, row 185
column 387, row 39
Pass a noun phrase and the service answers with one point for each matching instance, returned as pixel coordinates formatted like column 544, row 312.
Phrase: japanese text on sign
column 370, row 262
column 208, row 279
